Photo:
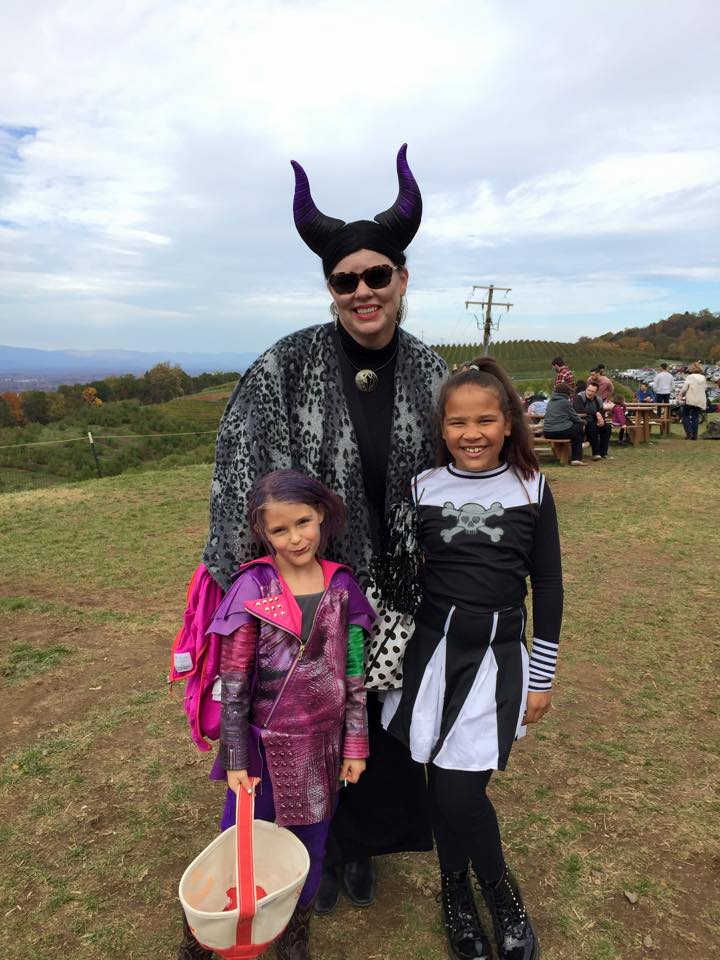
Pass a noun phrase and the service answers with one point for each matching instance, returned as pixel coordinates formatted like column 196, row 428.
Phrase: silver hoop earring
column 334, row 315
column 402, row 310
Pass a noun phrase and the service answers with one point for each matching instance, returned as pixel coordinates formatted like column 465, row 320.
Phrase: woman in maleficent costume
column 351, row 403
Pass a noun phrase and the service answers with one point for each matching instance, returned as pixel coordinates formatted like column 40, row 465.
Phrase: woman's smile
column 368, row 315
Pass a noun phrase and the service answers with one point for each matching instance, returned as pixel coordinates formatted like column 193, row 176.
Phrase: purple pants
column 313, row 836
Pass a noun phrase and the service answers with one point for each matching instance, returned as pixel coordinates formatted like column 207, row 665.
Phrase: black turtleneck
column 371, row 415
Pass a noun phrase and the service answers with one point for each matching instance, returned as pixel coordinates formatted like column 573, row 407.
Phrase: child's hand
column 239, row 778
column 351, row 769
column 538, row 704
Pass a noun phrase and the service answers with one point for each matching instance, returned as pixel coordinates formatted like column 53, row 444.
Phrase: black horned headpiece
column 390, row 232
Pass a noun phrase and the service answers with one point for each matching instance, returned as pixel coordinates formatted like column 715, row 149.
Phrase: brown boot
column 190, row 949
column 294, row 944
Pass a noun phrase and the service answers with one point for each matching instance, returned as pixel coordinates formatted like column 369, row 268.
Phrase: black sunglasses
column 374, row 277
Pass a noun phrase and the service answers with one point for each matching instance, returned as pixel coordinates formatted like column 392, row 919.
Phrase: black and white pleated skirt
column 465, row 683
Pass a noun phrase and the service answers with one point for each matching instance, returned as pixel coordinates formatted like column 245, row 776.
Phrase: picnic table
column 643, row 416
column 559, row 449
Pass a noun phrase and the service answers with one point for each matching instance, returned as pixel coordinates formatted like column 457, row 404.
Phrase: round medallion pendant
column 366, row 380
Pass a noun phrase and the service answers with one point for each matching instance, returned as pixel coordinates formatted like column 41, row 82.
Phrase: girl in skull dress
column 487, row 522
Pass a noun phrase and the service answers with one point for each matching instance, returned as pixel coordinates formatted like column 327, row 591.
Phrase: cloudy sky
column 569, row 150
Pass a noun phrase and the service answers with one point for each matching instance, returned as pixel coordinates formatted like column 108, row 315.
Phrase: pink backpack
column 196, row 659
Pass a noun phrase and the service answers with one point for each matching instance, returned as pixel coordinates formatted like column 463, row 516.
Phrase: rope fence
column 90, row 438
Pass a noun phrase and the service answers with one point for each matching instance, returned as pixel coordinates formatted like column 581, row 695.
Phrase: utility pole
column 487, row 322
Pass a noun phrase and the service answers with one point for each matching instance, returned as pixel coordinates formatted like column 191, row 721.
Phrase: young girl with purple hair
column 292, row 698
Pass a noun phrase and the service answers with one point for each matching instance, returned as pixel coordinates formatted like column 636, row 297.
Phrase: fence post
column 92, row 447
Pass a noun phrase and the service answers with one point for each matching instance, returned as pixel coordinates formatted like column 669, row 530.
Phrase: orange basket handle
column 245, row 814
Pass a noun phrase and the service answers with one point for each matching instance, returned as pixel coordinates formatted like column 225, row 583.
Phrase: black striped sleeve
column 547, row 587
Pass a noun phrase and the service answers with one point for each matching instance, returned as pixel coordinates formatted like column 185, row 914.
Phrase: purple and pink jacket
column 304, row 703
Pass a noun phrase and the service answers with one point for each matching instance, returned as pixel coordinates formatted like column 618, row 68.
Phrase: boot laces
column 508, row 908
column 460, row 909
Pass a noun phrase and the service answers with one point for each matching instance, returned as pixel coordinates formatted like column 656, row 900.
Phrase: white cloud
column 557, row 145
column 639, row 194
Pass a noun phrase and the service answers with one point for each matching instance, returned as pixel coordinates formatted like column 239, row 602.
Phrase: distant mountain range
column 79, row 366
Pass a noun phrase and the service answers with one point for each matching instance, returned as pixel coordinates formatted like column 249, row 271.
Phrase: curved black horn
column 402, row 219
column 314, row 227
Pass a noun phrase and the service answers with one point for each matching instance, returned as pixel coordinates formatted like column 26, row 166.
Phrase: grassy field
column 609, row 808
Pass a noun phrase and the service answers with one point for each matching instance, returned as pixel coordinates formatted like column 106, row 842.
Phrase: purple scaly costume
column 289, row 719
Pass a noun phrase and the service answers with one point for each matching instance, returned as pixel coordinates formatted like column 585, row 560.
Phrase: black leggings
column 464, row 822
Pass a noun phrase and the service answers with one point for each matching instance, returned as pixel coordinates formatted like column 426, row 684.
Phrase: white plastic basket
column 259, row 865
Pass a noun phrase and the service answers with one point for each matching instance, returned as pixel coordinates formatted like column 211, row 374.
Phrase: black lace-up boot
column 514, row 932
column 190, row 949
column 294, row 943
column 465, row 935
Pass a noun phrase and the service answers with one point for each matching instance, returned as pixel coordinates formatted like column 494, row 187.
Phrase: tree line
column 161, row 383
column 683, row 336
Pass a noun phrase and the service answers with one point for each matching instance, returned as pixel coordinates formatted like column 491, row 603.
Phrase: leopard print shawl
column 289, row 410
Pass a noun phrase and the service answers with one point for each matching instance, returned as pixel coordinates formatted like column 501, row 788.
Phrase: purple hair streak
column 292, row 486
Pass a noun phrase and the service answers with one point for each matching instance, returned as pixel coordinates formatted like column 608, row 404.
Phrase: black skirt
column 465, row 683
column 387, row 810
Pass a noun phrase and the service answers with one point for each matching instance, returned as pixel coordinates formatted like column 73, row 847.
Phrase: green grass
column 12, row 479
column 139, row 533
column 204, row 408
column 75, row 614
column 103, row 800
column 23, row 660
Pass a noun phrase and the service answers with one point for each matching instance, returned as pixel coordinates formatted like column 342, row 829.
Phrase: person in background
column 644, row 394
column 563, row 373
column 693, row 395
column 589, row 405
column 605, row 384
column 663, row 384
column 619, row 418
column 563, row 423
column 537, row 405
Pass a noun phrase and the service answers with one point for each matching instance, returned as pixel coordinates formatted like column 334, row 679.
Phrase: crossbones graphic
column 471, row 518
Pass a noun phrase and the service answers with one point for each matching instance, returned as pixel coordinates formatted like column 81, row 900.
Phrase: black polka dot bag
column 385, row 649
column 395, row 595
